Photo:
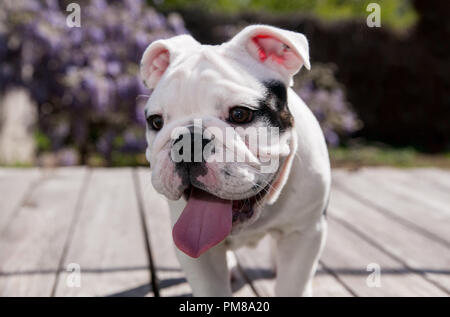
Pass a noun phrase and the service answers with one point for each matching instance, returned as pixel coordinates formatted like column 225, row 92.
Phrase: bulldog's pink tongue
column 205, row 221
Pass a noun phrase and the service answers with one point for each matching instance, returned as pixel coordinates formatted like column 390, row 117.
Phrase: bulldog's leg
column 297, row 257
column 208, row 275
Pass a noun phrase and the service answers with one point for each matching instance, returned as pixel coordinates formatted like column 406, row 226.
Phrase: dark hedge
column 399, row 84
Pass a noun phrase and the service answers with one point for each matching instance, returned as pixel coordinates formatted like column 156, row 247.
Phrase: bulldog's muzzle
column 189, row 148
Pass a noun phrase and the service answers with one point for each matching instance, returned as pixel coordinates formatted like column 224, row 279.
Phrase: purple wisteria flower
column 326, row 98
column 83, row 78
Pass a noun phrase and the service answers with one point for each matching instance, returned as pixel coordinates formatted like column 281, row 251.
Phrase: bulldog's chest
column 268, row 223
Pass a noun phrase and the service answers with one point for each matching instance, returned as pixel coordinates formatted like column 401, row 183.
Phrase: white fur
column 203, row 81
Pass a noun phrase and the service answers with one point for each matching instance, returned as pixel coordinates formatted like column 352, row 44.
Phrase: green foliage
column 395, row 13
column 128, row 159
column 398, row 14
column 43, row 142
column 381, row 155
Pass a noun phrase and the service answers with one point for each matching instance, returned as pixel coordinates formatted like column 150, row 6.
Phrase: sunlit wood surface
column 389, row 235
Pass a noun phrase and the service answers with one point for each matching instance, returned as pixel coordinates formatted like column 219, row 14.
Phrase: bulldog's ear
column 281, row 50
column 160, row 54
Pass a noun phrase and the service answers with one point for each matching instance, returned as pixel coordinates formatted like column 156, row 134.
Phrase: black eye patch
column 273, row 107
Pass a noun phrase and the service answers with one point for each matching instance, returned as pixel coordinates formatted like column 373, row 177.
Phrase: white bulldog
column 208, row 103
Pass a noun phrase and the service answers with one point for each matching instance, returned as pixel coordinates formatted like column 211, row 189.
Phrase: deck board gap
column 375, row 244
column 73, row 224
column 338, row 279
column 402, row 221
column 140, row 202
column 247, row 279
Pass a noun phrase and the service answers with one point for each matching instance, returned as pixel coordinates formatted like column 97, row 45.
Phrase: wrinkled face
column 216, row 127
column 219, row 131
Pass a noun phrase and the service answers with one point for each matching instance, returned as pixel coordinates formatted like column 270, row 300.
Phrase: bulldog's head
column 220, row 133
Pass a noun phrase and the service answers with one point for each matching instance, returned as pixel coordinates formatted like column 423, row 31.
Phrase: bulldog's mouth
column 207, row 220
column 242, row 210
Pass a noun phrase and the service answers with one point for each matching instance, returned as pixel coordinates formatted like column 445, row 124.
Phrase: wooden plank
column 239, row 283
column 429, row 191
column 405, row 183
column 240, row 286
column 15, row 185
column 108, row 242
column 171, row 279
column 258, row 265
column 403, row 201
column 412, row 249
column 32, row 244
column 349, row 257
column 326, row 285
column 438, row 177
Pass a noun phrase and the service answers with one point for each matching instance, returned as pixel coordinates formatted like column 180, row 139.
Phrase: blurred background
column 72, row 96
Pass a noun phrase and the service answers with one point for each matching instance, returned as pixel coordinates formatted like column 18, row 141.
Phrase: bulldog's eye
column 241, row 115
column 155, row 122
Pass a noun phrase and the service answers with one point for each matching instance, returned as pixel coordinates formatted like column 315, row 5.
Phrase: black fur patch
column 274, row 106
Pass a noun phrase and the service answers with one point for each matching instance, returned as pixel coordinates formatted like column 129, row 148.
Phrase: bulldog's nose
column 189, row 147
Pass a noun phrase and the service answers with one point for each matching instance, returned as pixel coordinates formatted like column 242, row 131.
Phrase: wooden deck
column 111, row 223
